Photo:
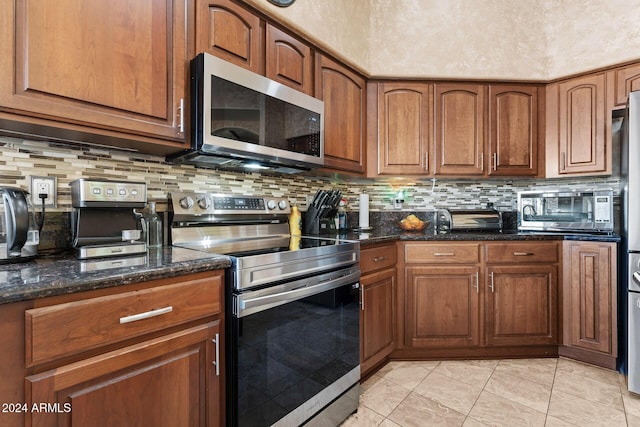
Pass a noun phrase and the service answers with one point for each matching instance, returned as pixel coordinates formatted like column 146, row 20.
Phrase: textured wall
column 493, row 39
column 339, row 26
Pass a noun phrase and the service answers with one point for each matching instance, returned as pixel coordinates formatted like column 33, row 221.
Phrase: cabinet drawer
column 520, row 252
column 442, row 253
column 373, row 259
column 68, row 328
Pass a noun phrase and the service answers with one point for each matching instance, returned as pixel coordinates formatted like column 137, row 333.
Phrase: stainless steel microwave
column 566, row 210
column 242, row 120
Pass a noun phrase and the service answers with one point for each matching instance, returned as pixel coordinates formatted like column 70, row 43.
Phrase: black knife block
column 319, row 226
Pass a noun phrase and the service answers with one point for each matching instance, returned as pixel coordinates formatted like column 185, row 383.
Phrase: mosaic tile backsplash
column 21, row 159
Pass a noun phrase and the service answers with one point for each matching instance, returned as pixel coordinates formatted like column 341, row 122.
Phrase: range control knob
column 204, row 203
column 271, row 204
column 186, row 202
column 282, row 204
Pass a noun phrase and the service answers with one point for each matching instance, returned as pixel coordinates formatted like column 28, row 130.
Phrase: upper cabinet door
column 582, row 122
column 289, row 61
column 404, row 128
column 230, row 32
column 513, row 130
column 344, row 94
column 113, row 65
column 627, row 80
column 460, row 129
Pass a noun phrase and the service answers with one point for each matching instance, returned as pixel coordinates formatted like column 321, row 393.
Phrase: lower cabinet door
column 377, row 317
column 165, row 382
column 590, row 296
column 521, row 305
column 442, row 307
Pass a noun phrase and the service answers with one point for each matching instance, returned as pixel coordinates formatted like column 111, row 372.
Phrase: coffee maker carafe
column 19, row 235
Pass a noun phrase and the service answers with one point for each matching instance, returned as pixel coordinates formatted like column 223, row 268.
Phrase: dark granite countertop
column 64, row 274
column 375, row 237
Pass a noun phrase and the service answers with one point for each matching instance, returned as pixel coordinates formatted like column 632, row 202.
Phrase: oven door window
column 288, row 354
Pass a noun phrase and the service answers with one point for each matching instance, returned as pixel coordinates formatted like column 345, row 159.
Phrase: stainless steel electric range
column 292, row 310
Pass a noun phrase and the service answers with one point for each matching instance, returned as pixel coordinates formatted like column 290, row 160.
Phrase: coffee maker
column 103, row 220
column 19, row 234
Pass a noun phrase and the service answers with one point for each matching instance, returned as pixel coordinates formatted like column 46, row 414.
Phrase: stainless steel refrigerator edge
column 630, row 181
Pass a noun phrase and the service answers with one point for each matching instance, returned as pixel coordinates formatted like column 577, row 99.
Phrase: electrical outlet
column 44, row 185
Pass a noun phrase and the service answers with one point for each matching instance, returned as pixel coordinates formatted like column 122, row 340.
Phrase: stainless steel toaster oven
column 566, row 210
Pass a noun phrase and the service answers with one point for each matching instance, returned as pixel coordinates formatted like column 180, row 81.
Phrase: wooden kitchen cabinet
column 404, row 128
column 522, row 293
column 589, row 311
column 468, row 299
column 442, row 294
column 460, row 126
column 513, row 130
column 443, row 307
column 378, row 305
column 522, row 305
column 621, row 81
column 578, row 127
column 230, row 32
column 113, row 72
column 167, row 381
column 344, row 94
column 107, row 368
column 288, row 60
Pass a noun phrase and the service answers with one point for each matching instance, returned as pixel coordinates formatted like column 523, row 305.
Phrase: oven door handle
column 245, row 305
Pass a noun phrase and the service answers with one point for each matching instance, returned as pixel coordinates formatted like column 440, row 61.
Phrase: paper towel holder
column 363, row 222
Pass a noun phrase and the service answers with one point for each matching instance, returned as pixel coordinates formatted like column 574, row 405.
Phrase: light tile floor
column 513, row 392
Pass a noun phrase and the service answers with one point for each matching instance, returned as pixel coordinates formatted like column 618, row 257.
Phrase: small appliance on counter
column 19, row 234
column 321, row 213
column 566, row 210
column 471, row 220
column 103, row 220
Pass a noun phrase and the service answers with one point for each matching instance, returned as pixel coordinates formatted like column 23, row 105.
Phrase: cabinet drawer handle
column 477, row 282
column 444, row 254
column 378, row 259
column 146, row 315
column 491, row 285
column 523, row 254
